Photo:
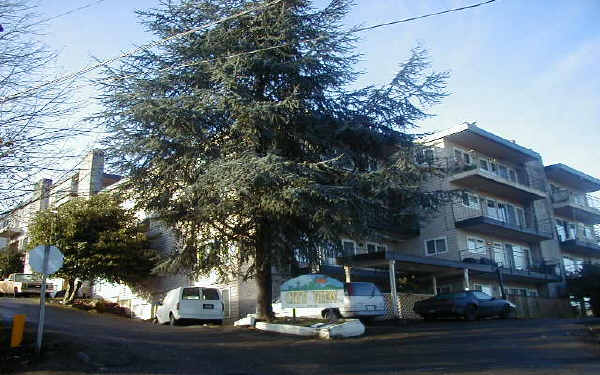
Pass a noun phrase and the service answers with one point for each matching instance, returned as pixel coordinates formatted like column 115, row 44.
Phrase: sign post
column 46, row 260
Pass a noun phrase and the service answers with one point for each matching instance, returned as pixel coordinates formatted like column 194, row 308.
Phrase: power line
column 68, row 12
column 423, row 16
column 89, row 68
column 367, row 28
column 162, row 41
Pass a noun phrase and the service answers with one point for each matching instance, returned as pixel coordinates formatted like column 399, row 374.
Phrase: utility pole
column 40, row 330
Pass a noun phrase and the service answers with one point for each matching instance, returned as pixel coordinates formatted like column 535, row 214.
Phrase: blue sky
column 525, row 70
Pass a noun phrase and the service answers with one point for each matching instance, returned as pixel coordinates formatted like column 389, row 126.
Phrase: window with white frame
column 476, row 246
column 436, row 246
column 461, row 156
column 470, row 200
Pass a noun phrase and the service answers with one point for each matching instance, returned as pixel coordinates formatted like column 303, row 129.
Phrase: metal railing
column 507, row 215
column 512, row 261
column 516, row 176
column 590, row 235
column 572, row 198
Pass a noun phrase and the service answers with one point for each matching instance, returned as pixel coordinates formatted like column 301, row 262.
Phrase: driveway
column 118, row 345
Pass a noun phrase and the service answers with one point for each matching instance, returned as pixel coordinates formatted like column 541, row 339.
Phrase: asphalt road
column 108, row 344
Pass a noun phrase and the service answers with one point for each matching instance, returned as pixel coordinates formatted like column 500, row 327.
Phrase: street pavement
column 86, row 343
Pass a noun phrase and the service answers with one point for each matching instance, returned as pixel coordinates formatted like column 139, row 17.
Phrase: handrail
column 582, row 200
column 527, row 221
column 511, row 175
column 496, row 257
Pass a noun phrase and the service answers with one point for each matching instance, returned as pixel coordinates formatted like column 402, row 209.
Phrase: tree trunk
column 70, row 286
column 264, row 298
column 76, row 285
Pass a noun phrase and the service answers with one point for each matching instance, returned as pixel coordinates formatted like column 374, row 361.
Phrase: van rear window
column 191, row 293
column 210, row 294
column 361, row 289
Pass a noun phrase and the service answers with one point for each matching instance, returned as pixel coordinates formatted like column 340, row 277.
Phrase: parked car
column 17, row 284
column 470, row 304
column 361, row 300
column 190, row 304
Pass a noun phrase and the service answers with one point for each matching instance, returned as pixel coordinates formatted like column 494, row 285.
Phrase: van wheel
column 332, row 315
column 155, row 321
column 172, row 320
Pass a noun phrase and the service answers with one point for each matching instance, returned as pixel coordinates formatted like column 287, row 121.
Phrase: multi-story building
column 497, row 230
column 88, row 179
column 576, row 216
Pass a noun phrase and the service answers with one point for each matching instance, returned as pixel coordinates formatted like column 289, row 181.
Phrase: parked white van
column 361, row 300
column 190, row 304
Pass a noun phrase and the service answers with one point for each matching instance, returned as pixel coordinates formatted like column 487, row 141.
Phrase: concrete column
column 347, row 270
column 466, row 279
column 392, row 269
column 434, row 285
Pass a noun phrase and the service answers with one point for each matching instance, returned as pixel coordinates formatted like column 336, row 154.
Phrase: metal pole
column 501, row 282
column 466, row 279
column 392, row 271
column 434, row 285
column 40, row 330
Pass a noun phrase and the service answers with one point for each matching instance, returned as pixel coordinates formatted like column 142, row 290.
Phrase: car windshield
column 451, row 296
column 24, row 277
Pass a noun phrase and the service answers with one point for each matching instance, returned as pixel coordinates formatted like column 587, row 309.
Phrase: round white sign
column 55, row 259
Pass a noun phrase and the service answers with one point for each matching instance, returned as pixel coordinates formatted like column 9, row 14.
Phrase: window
column 587, row 232
column 572, row 231
column 476, row 246
column 532, row 293
column 482, row 296
column 520, row 257
column 191, row 293
column 371, row 248
column 436, row 246
column 381, row 248
column 209, row 294
column 483, row 165
column 444, row 289
column 561, row 229
column 491, row 209
column 462, row 156
column 503, row 171
column 348, row 247
column 425, row 156
column 469, row 200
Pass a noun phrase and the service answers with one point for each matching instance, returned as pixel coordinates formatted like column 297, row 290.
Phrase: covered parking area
column 429, row 270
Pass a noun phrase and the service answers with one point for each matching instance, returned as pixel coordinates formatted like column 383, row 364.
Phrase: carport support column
column 466, row 279
column 347, row 271
column 395, row 310
column 434, row 285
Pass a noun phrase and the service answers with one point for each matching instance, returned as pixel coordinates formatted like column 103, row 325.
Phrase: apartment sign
column 312, row 291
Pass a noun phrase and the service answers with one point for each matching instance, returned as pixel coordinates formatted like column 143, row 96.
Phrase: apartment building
column 498, row 230
column 85, row 180
column 576, row 216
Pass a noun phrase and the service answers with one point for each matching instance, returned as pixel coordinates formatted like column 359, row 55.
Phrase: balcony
column 515, row 263
column 505, row 182
column 9, row 229
column 505, row 222
column 580, row 207
column 581, row 241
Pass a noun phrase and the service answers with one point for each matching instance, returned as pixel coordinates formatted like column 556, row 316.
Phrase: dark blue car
column 470, row 304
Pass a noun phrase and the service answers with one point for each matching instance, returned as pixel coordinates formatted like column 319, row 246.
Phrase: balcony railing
column 581, row 200
column 506, row 215
column 510, row 175
column 588, row 235
column 515, row 260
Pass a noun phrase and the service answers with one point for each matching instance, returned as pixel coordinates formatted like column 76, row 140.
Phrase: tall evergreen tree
column 245, row 138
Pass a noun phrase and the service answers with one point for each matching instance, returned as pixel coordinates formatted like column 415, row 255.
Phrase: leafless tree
column 32, row 130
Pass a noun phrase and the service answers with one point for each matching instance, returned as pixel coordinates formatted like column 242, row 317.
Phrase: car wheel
column 506, row 312
column 331, row 315
column 172, row 320
column 471, row 312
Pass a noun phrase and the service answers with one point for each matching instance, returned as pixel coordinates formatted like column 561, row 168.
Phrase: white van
column 361, row 300
column 190, row 304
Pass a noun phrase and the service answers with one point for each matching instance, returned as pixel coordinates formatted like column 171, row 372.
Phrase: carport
column 432, row 268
